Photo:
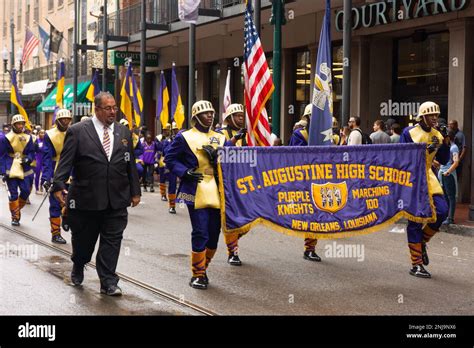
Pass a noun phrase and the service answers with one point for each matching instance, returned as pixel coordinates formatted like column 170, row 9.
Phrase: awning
column 49, row 104
column 37, row 87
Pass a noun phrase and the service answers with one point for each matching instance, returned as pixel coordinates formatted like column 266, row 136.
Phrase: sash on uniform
column 18, row 143
column 57, row 139
column 207, row 193
column 418, row 135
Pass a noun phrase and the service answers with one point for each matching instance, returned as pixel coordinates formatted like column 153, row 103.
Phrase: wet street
column 274, row 279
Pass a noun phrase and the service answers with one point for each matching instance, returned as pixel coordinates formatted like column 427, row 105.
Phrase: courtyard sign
column 390, row 11
column 118, row 58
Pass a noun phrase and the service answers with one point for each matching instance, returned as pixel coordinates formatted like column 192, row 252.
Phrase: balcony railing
column 126, row 21
column 50, row 71
column 41, row 73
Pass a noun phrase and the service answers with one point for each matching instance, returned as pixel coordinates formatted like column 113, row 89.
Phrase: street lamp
column 19, row 56
column 5, row 56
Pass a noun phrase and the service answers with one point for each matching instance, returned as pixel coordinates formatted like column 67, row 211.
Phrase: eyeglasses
column 109, row 108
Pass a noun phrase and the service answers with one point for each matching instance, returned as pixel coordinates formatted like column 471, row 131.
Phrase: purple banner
column 325, row 191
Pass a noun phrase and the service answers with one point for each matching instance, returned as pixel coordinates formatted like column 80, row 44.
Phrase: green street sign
column 118, row 58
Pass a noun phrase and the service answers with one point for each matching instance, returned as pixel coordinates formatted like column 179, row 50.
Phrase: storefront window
column 304, row 85
column 422, row 71
column 237, row 84
column 337, row 58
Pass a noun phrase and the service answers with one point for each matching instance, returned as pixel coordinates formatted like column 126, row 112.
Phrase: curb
column 462, row 230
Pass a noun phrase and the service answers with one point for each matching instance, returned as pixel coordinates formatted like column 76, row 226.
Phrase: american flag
column 258, row 84
column 31, row 42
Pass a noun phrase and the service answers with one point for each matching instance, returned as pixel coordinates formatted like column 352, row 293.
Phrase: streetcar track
column 122, row 276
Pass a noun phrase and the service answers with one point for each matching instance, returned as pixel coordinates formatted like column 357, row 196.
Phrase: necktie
column 106, row 143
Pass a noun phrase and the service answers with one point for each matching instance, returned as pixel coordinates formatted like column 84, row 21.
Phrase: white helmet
column 308, row 110
column 84, row 118
column 17, row 118
column 167, row 127
column 124, row 122
column 174, row 125
column 202, row 106
column 63, row 113
column 428, row 108
column 233, row 109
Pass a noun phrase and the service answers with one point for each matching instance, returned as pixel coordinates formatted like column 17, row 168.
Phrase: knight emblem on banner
column 329, row 197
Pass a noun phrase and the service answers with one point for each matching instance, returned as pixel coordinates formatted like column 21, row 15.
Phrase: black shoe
column 164, row 199
column 152, row 189
column 234, row 260
column 144, row 189
column 77, row 274
column 311, row 256
column 112, row 290
column 172, row 211
column 205, row 279
column 198, row 283
column 424, row 254
column 420, row 271
column 15, row 223
column 65, row 224
column 58, row 239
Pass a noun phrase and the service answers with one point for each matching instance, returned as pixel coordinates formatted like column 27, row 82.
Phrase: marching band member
column 148, row 158
column 300, row 138
column 192, row 156
column 336, row 139
column 234, row 121
column 172, row 178
column 39, row 154
column 419, row 235
column 18, row 152
column 138, row 148
column 300, row 134
column 162, row 170
column 53, row 145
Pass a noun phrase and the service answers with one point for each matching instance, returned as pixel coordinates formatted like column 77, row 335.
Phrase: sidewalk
column 463, row 225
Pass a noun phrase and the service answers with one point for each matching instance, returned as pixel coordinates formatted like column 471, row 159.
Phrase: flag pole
column 12, row 56
column 75, row 61
column 105, row 39
column 277, row 19
column 257, row 4
column 128, row 61
column 191, row 74
column 143, row 59
column 346, row 81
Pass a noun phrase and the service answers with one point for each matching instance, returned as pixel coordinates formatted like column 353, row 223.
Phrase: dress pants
column 86, row 227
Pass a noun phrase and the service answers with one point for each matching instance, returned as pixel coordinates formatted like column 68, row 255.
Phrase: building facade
column 401, row 56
